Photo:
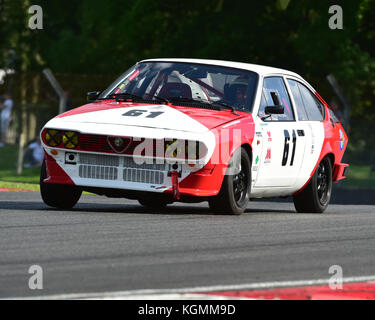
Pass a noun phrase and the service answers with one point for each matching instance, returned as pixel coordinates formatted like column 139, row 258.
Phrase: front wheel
column 317, row 194
column 58, row 195
column 234, row 193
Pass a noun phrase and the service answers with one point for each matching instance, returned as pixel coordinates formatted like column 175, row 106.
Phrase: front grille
column 130, row 163
column 99, row 160
column 152, row 173
column 100, row 143
column 143, row 176
column 94, row 166
column 95, row 143
column 98, row 172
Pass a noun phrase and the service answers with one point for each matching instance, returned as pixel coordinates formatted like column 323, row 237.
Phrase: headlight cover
column 70, row 139
column 53, row 137
column 184, row 149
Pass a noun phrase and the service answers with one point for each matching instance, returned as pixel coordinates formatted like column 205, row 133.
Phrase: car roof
column 261, row 70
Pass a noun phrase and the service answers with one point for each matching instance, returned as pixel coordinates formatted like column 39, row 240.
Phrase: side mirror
column 277, row 108
column 274, row 109
column 93, row 96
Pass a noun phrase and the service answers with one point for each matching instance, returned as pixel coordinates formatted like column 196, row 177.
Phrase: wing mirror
column 93, row 96
column 277, row 108
column 274, row 110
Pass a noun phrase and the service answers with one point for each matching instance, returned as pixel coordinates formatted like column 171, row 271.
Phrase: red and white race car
column 197, row 130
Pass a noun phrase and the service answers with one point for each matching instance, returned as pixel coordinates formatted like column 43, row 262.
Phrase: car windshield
column 181, row 83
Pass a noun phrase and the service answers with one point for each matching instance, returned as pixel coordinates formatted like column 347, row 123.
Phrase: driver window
column 275, row 84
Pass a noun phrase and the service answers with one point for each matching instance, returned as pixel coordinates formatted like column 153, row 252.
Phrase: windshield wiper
column 124, row 95
column 193, row 101
column 134, row 97
column 223, row 104
column 161, row 99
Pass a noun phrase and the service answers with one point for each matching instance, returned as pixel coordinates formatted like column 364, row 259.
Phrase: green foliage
column 106, row 37
column 8, row 168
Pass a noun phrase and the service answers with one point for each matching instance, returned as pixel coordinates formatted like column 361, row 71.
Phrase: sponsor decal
column 257, row 160
column 269, row 136
column 268, row 156
column 342, row 140
column 134, row 75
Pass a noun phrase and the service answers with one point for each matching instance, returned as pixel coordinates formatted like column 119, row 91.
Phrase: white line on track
column 190, row 293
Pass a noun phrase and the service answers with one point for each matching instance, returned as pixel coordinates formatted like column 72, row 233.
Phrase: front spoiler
column 203, row 183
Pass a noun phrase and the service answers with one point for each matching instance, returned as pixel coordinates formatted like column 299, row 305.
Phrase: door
column 282, row 139
column 310, row 116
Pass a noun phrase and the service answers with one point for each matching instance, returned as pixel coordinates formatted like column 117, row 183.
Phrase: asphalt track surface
column 107, row 245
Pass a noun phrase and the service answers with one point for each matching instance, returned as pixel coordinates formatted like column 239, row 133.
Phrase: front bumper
column 202, row 183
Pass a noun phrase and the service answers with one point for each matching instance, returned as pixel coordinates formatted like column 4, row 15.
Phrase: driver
column 236, row 93
column 241, row 95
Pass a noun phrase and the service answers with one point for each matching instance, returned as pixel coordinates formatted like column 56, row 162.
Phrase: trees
column 92, row 36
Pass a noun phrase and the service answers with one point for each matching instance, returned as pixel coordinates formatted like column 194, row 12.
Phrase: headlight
column 70, row 139
column 53, row 137
column 173, row 148
column 185, row 149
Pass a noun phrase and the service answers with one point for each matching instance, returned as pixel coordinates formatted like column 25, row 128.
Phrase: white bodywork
column 268, row 177
column 113, row 123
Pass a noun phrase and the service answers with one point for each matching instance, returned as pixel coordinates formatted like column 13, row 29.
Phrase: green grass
column 17, row 185
column 8, row 168
column 359, row 177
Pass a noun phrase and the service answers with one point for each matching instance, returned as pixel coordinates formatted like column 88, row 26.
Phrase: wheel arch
column 331, row 157
column 248, row 150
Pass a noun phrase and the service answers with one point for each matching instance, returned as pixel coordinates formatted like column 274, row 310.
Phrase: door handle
column 301, row 133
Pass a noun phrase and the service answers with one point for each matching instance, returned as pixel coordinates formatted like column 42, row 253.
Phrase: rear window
column 309, row 107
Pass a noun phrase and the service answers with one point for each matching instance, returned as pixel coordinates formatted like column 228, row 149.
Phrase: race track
column 108, row 245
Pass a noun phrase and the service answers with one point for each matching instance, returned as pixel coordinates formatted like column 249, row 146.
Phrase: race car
column 196, row 130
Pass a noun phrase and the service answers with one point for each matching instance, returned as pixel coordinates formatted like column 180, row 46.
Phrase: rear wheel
column 234, row 193
column 317, row 194
column 58, row 195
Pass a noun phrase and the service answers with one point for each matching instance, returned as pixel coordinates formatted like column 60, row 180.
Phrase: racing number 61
column 286, row 147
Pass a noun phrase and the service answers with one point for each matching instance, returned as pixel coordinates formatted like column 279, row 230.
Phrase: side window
column 263, row 105
column 333, row 116
column 302, row 115
column 314, row 109
column 275, row 84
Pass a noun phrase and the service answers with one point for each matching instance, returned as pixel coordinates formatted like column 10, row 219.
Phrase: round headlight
column 53, row 137
column 173, row 149
column 70, row 139
column 192, row 150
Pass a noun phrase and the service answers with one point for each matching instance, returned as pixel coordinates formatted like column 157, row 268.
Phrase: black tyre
column 234, row 193
column 153, row 203
column 317, row 194
column 58, row 195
